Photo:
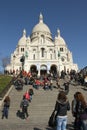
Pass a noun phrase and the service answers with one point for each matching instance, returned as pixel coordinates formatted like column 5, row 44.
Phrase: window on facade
column 62, row 59
column 42, row 38
column 20, row 68
column 34, row 50
column 42, row 52
column 22, row 49
column 50, row 50
column 61, row 49
column 51, row 56
column 34, row 57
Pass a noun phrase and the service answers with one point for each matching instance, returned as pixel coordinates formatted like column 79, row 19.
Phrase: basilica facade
column 41, row 53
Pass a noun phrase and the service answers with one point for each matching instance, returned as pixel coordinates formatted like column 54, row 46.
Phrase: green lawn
column 4, row 80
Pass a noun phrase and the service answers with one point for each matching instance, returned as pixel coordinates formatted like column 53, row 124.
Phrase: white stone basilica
column 41, row 52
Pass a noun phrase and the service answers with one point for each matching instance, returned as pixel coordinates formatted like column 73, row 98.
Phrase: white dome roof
column 61, row 41
column 22, row 40
column 41, row 27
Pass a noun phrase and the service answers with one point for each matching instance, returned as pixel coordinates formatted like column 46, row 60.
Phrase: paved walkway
column 39, row 109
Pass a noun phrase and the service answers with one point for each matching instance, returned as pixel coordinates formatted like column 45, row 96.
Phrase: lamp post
column 38, row 69
column 22, row 60
column 59, row 62
column 48, row 67
column 13, row 62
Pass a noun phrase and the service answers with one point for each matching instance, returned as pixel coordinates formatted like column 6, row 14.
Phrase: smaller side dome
column 61, row 41
column 22, row 40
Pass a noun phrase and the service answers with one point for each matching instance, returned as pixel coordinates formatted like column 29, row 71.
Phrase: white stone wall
column 33, row 45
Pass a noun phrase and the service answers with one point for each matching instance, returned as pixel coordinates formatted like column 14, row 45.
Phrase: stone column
column 39, row 72
column 38, row 68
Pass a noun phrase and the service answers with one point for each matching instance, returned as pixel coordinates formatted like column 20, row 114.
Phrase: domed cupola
column 60, row 40
column 41, row 29
column 22, row 40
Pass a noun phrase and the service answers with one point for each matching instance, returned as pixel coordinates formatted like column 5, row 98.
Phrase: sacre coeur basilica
column 41, row 53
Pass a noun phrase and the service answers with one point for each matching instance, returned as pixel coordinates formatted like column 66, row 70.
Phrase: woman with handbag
column 61, row 108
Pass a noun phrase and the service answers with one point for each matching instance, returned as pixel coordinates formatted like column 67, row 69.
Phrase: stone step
column 40, row 109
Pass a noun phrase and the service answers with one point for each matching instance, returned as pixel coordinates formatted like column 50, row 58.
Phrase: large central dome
column 41, row 27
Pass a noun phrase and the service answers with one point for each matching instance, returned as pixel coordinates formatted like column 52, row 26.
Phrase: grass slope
column 4, row 81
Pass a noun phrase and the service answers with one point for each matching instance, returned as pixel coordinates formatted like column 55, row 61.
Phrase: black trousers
column 25, row 111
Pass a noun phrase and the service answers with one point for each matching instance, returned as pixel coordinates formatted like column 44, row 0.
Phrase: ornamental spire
column 41, row 18
column 58, row 31
column 24, row 32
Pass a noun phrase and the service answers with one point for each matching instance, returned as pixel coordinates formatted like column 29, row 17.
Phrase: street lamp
column 22, row 60
column 13, row 62
column 59, row 62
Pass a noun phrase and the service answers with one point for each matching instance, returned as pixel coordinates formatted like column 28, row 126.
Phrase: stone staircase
column 39, row 110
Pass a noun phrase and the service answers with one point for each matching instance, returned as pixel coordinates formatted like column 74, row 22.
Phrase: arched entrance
column 53, row 69
column 33, row 69
column 43, row 70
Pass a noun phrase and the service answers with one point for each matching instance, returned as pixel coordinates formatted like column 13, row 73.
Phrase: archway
column 53, row 69
column 33, row 69
column 43, row 70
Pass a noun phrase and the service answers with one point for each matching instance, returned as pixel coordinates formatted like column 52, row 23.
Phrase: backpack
column 25, row 103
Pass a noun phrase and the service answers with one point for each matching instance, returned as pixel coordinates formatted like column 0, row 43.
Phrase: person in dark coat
column 6, row 106
column 66, row 87
column 24, row 105
column 81, row 112
column 61, row 108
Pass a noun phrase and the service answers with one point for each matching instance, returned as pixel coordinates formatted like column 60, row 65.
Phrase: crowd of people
column 62, row 105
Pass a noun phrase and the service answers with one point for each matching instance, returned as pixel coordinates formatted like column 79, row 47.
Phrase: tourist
column 24, row 105
column 51, row 84
column 81, row 112
column 61, row 108
column 73, row 104
column 27, row 95
column 6, row 106
column 66, row 87
column 31, row 93
column 57, row 83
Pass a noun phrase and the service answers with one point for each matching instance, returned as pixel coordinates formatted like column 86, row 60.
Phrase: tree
column 5, row 61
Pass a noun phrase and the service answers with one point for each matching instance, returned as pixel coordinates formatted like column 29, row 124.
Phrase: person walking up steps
column 27, row 95
column 24, row 105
